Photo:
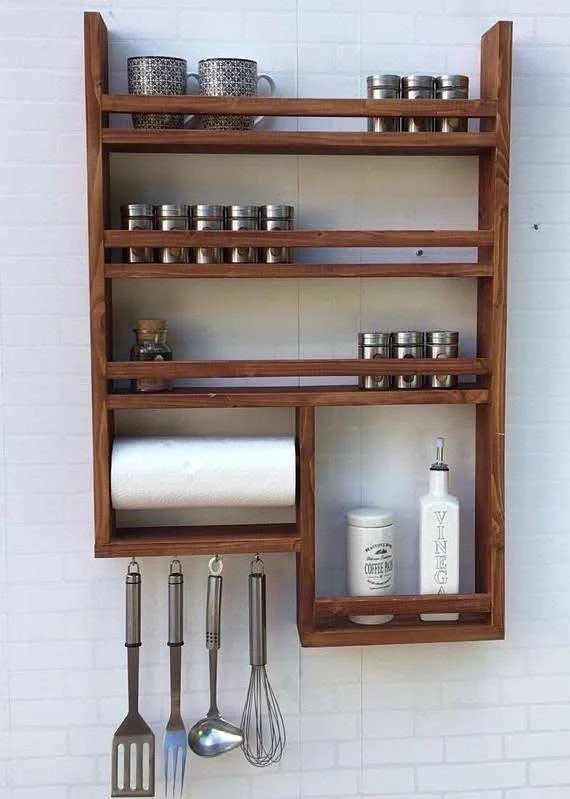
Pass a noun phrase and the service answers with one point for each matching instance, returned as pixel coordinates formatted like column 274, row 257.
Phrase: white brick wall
column 472, row 721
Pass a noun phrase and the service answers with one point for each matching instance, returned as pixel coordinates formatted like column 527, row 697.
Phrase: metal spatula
column 133, row 743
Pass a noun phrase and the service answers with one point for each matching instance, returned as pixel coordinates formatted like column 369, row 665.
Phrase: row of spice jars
column 142, row 216
column 417, row 87
column 408, row 344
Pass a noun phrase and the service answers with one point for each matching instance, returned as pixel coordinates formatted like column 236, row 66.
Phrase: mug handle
column 192, row 120
column 271, row 84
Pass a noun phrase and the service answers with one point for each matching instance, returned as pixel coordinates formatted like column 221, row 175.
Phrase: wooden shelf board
column 117, row 140
column 294, row 368
column 152, row 271
column 294, row 396
column 341, row 606
column 295, row 107
column 299, row 238
column 200, row 540
column 342, row 632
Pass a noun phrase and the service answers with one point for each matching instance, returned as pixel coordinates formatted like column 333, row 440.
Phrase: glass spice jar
column 151, row 345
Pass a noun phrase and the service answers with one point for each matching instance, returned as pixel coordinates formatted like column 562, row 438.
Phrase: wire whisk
column 262, row 723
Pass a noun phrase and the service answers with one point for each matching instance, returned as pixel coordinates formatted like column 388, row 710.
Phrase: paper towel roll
column 202, row 472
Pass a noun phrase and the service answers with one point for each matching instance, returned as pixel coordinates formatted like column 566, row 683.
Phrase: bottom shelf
column 332, row 626
column 200, row 540
column 403, row 630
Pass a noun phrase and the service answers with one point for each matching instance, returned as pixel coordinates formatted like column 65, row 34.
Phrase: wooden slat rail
column 331, row 607
column 151, row 271
column 294, row 396
column 296, row 142
column 295, row 107
column 299, row 238
column 295, row 368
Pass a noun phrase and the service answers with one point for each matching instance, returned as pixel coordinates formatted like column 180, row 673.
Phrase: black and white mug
column 153, row 74
column 229, row 77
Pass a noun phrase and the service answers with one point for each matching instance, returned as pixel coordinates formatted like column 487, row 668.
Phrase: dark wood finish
column 299, row 238
column 322, row 621
column 341, row 606
column 305, row 435
column 342, row 632
column 125, row 140
column 294, row 396
column 496, row 67
column 294, row 271
column 296, row 107
column 294, row 368
column 200, row 540
column 95, row 44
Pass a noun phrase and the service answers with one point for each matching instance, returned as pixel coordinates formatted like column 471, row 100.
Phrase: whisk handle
column 257, row 620
column 213, row 612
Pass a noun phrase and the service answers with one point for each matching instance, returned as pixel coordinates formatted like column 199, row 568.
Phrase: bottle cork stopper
column 151, row 325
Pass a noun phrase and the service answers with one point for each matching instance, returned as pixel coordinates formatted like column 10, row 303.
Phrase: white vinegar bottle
column 439, row 537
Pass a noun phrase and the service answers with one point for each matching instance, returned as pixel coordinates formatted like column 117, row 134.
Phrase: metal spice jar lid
column 171, row 210
column 374, row 339
column 137, row 209
column 417, row 82
column 408, row 337
column 452, row 82
column 442, row 337
column 383, row 81
column 276, row 211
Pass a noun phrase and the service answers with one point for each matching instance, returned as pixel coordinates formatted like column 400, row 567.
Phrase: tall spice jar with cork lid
column 151, row 345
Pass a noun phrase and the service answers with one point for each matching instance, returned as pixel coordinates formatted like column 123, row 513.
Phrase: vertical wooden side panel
column 96, row 83
column 496, row 60
column 305, row 433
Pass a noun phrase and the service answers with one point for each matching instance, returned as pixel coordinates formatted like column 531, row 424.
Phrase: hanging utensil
column 262, row 722
column 174, row 746
column 132, row 765
column 213, row 735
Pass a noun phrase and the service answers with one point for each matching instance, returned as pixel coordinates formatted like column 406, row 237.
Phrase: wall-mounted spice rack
column 322, row 621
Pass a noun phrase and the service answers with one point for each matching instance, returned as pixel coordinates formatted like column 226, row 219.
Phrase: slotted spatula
column 133, row 743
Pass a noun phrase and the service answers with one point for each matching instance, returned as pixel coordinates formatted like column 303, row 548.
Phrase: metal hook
column 216, row 565
column 256, row 561
column 133, row 567
column 175, row 566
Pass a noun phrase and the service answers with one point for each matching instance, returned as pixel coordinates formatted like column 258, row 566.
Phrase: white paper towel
column 198, row 472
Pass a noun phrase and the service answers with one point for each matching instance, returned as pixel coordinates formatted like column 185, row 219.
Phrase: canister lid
column 408, row 337
column 452, row 82
column 370, row 517
column 442, row 337
column 242, row 211
column 383, row 81
column 277, row 211
column 374, row 339
column 137, row 209
column 171, row 210
column 417, row 82
column 207, row 211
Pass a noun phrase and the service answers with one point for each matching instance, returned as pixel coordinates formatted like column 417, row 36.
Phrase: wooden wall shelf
column 322, row 621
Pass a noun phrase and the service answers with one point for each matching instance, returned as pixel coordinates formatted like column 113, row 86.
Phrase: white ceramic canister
column 370, row 557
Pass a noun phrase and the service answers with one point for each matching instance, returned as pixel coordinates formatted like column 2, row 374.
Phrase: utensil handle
column 213, row 611
column 133, row 609
column 257, row 620
column 175, row 608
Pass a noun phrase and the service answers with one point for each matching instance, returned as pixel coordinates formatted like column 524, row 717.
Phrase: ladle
column 213, row 735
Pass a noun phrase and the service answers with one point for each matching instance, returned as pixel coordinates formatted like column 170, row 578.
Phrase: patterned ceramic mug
column 157, row 75
column 229, row 77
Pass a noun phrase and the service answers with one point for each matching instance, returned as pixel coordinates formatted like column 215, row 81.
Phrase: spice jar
column 137, row 216
column 370, row 557
column 151, row 345
column 276, row 217
column 208, row 217
column 383, row 87
column 417, row 87
column 451, row 87
column 242, row 217
column 172, row 217
column 442, row 344
column 408, row 344
column 372, row 346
